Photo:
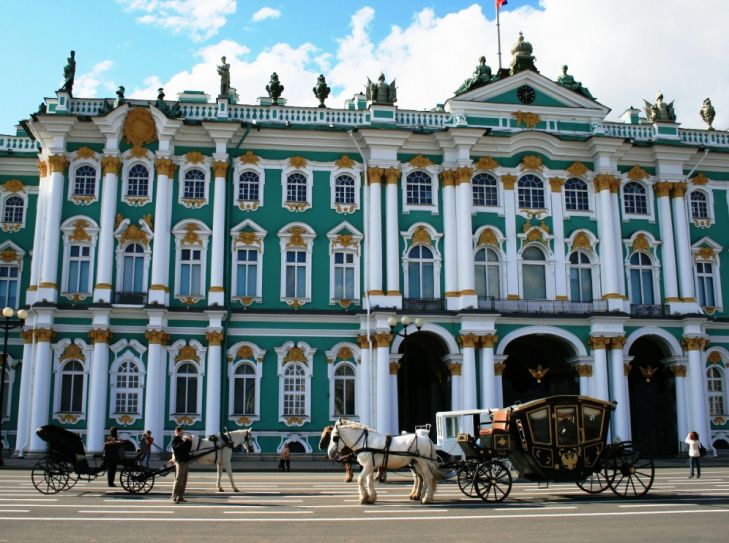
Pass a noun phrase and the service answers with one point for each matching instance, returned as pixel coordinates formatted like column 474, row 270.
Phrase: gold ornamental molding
column 678, row 190
column 499, row 368
column 44, row 335
column 139, row 152
column 531, row 163
column 188, row 352
column 394, row 368
column 468, row 341
column 214, row 338
column 487, row 237
column 663, row 189
column 464, row 175
column 194, row 157
column 448, row 178
column 486, row 163
column 103, row 286
column 599, row 342
column 244, row 353
column 618, row 342
column 678, row 370
column 134, row 234
column 296, row 354
column 489, row 341
column 383, row 339
column 85, row 152
column 584, row 370
column 9, row 255
column 249, row 158
column 421, row 235
column 694, row 343
column 420, row 161
column 603, row 182
column 362, row 341
column 72, row 352
column 42, row 168
column 715, row 358
column 99, row 335
column 79, row 231
column 156, row 337
column 191, row 236
column 526, row 119
column 294, row 421
column 13, row 185
column 158, row 287
column 508, row 181
column 699, row 179
column 139, row 128
column 220, row 167
column 165, row 166
column 68, row 418
column 217, row 289
column 705, row 253
column 297, row 162
column 392, row 176
column 581, row 241
column 345, row 353
column 27, row 336
column 344, row 162
column 111, row 164
column 243, row 421
column 375, row 175
column 57, row 163
column 454, row 368
column 296, row 239
column 640, row 243
column 556, row 184
column 636, row 173
column 577, row 169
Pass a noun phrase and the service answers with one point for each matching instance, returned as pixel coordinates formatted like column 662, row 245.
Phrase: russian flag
column 500, row 3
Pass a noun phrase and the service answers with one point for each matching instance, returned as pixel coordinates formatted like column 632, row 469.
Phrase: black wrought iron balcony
column 423, row 304
column 130, row 298
column 542, row 307
column 649, row 310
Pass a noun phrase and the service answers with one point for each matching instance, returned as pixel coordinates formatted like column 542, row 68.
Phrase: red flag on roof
column 500, row 3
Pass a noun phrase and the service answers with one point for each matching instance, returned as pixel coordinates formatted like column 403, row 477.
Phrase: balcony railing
column 130, row 298
column 542, row 307
column 423, row 304
column 652, row 310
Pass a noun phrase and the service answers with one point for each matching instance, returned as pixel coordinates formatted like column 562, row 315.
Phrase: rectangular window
column 190, row 272
column 295, row 274
column 79, row 265
column 244, row 394
column 127, row 402
column 9, row 286
column 344, row 397
column 705, row 284
column 343, row 276
column 535, row 287
column 186, row 401
column 71, row 393
column 247, row 273
column 294, row 396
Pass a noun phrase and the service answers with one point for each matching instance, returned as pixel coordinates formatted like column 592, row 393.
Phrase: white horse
column 372, row 450
column 225, row 442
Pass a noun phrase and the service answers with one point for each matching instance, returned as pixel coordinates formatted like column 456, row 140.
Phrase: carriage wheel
column 136, row 479
column 466, row 473
column 597, row 481
column 631, row 470
column 49, row 476
column 492, row 481
column 72, row 475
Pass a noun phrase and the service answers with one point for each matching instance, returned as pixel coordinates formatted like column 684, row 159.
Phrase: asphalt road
column 301, row 506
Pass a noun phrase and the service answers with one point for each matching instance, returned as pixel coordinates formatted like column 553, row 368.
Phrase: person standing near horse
column 147, row 441
column 285, row 462
column 111, row 455
column 181, row 446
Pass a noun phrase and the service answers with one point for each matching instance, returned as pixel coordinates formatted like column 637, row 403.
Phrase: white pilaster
column 464, row 227
column 599, row 386
column 450, row 245
column 619, row 384
column 668, row 255
column 375, row 241
column 455, row 368
column 216, row 293
column 698, row 420
column 213, row 382
column 499, row 362
column 394, row 413
column 583, row 367
column 26, row 385
column 488, row 375
column 560, row 258
column 48, row 287
column 392, row 258
column 159, row 290
column 364, row 379
column 98, row 390
column 383, row 382
column 105, row 256
column 41, row 394
column 469, row 383
column 618, row 245
column 512, row 267
column 606, row 231
column 683, row 244
column 154, row 391
column 678, row 369
column 38, row 238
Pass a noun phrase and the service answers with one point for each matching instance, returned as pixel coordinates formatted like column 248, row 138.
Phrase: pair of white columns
column 111, row 165
column 54, row 198
column 491, row 369
column 676, row 242
column 610, row 241
column 375, row 245
column 158, row 291
column 38, row 233
column 216, row 293
column 610, row 381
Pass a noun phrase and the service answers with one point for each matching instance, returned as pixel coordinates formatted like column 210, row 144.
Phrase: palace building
column 212, row 264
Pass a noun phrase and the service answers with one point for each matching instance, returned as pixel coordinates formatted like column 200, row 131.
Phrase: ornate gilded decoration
column 648, row 372
column 57, row 163
column 487, row 237
column 188, row 352
column 345, row 353
column 214, row 338
column 249, row 158
column 603, row 182
column 156, row 337
column 139, row 152
column 42, row 168
column 499, row 368
column 581, row 241
column 532, row 163
column 297, row 162
column 636, row 173
column 13, row 185
column 486, row 163
column 243, row 421
column 79, row 231
column 44, row 334
column 584, row 370
column 468, row 341
column 454, row 368
column 556, row 183
column 134, row 234
column 699, row 179
column 678, row 190
column 139, row 128
column 569, row 459
column 678, row 370
column 344, row 162
column 194, row 157
column 394, row 368
column 125, row 420
column 184, row 419
column 27, row 336
column 100, row 336
column 383, row 339
column 526, row 119
column 68, row 418
column 448, row 178
column 464, row 175
column 694, row 343
column 538, row 373
column 509, row 181
column 375, row 174
column 714, row 357
column 344, row 240
column 9, row 255
column 220, row 167
column 85, row 152
column 705, row 253
column 662, row 189
column 489, row 341
column 111, row 164
column 296, row 239
column 641, row 243
column 362, row 341
column 421, row 235
column 343, row 303
column 72, row 352
column 599, row 342
column 191, row 236
column 165, row 166
column 392, row 175
column 295, row 354
column 294, row 421
column 420, row 161
column 617, row 342
column 296, row 302
column 535, row 234
column 577, row 169
column 244, row 353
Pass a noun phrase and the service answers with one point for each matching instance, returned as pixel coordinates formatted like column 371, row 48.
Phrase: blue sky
column 429, row 46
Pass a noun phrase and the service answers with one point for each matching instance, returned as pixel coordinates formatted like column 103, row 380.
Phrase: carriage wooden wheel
column 137, row 479
column 466, row 473
column 51, row 475
column 631, row 470
column 597, row 481
column 492, row 481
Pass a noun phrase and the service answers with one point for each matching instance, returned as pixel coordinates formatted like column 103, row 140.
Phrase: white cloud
column 201, row 19
column 607, row 45
column 266, row 13
column 87, row 84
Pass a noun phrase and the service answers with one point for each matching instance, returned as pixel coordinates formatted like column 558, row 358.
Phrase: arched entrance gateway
column 652, row 397
column 536, row 367
column 423, row 381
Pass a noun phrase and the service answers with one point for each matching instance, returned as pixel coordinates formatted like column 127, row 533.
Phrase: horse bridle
column 337, row 438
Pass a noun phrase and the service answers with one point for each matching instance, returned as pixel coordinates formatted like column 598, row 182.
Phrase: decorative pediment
column 421, row 235
column 188, row 352
column 699, row 179
column 488, row 237
column 486, row 163
column 420, row 161
column 577, row 169
column 636, row 173
column 134, row 234
column 249, row 158
column 13, row 185
column 344, row 162
column 72, row 352
column 295, row 354
column 641, row 243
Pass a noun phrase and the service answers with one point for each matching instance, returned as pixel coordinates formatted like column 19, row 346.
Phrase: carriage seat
column 499, row 423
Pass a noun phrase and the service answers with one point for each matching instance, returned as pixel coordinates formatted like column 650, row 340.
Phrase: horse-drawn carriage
column 555, row 439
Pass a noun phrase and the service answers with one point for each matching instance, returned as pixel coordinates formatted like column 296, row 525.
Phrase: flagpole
column 498, row 32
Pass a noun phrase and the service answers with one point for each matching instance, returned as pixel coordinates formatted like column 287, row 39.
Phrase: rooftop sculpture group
column 568, row 82
column 660, row 111
column 381, row 92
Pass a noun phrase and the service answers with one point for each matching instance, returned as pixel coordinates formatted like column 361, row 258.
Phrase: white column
column 698, row 420
column 105, row 256
column 560, row 258
column 606, row 232
column 216, row 293
column 584, row 376
column 26, row 378
column 213, row 382
column 364, row 391
column 41, row 387
column 456, row 386
column 392, row 245
column 618, row 241
column 682, row 408
column 599, row 387
column 154, row 391
column 161, row 245
column 48, row 288
column 619, row 383
column 38, row 238
column 499, row 362
column 375, row 242
column 394, row 366
column 464, row 226
column 98, row 389
column 469, row 384
column 683, row 244
column 450, row 245
column 512, row 267
column 383, row 382
column 668, row 255
column 488, row 375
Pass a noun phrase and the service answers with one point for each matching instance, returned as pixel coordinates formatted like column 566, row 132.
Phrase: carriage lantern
column 11, row 319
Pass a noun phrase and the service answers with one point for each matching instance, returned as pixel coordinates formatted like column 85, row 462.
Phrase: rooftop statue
column 660, row 111
column 120, row 96
column 69, row 74
column 381, row 92
column 521, row 57
column 707, row 113
column 274, row 88
column 173, row 111
column 321, row 91
column 481, row 76
column 568, row 82
column 224, row 73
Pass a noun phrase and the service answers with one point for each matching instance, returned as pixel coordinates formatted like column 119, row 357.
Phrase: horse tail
column 438, row 473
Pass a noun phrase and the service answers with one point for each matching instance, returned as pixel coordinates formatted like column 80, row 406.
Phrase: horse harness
column 226, row 439
column 412, row 450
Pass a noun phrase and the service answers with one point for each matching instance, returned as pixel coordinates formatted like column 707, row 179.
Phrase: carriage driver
column 181, row 446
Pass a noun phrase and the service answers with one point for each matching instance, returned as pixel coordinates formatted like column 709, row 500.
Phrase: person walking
column 111, row 455
column 694, row 452
column 181, row 446
column 285, row 462
column 147, row 441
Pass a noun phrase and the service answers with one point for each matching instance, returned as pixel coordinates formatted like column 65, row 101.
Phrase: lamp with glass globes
column 11, row 319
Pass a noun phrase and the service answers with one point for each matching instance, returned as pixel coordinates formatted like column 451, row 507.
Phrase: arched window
column 576, row 195
column 715, row 388
column 699, row 205
column 186, row 389
column 296, row 187
column 705, row 284
column 127, row 389
column 421, row 273
column 249, row 186
column 138, row 180
column 580, row 278
column 85, row 181
column 533, row 269
column 244, row 390
column 641, row 279
column 344, row 390
column 484, row 190
column 294, row 391
column 246, row 284
column 79, row 268
column 488, row 270
column 13, row 212
column 531, row 192
column 194, row 185
column 634, row 199
column 9, row 278
column 344, row 190
column 133, row 278
column 419, row 188
column 72, row 387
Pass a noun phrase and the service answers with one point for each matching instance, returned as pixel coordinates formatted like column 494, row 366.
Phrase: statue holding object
column 69, row 74
column 224, row 73
column 381, row 92
column 660, row 111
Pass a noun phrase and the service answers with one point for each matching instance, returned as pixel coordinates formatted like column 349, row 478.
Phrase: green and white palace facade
column 213, row 264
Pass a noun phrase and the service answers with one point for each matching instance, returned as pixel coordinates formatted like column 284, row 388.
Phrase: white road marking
column 268, row 512
column 14, row 510
column 96, row 512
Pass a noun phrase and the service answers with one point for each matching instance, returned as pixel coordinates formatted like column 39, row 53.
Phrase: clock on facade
column 526, row 94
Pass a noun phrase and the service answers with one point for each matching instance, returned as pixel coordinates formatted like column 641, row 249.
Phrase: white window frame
column 700, row 254
column 126, row 350
column 500, row 264
column 7, row 248
column 123, row 243
column 74, row 165
column 58, row 364
column 655, row 270
column 240, row 167
column 593, row 268
column 592, row 254
column 307, row 363
column 199, row 241
column 186, row 166
column 344, row 238
column 349, row 354
column 309, row 177
column 255, row 359
column 499, row 195
column 300, row 237
column 114, row 389
column 590, row 199
column 128, row 162
column 354, row 173
column 722, row 393
column 710, row 218
column 68, row 231
column 548, row 270
column 247, row 236
column 430, row 170
column 175, row 361
column 546, row 200
column 649, row 196
column 433, row 246
column 5, row 195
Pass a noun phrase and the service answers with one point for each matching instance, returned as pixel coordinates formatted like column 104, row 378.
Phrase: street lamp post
column 11, row 319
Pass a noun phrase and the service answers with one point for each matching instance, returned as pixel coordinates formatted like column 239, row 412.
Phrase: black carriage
column 555, row 439
column 66, row 461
